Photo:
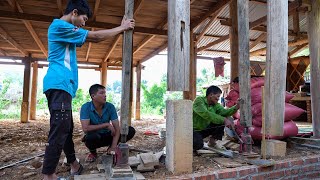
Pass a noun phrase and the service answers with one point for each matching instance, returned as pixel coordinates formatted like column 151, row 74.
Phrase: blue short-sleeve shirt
column 88, row 112
column 63, row 38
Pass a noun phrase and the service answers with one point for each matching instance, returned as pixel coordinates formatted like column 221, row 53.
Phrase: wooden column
column 33, row 103
column 234, row 58
column 276, row 66
column 244, row 62
column 178, row 45
column 126, row 73
column 314, row 45
column 138, row 91
column 191, row 94
column 103, row 74
column 26, row 91
column 179, row 112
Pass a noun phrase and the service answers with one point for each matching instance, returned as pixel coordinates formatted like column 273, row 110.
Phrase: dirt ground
column 19, row 141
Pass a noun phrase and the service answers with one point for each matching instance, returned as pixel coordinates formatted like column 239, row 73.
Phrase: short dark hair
column 95, row 88
column 214, row 90
column 81, row 5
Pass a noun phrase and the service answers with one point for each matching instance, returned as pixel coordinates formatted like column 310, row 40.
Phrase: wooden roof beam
column 217, row 7
column 213, row 18
column 2, row 52
column 258, row 40
column 48, row 19
column 95, row 10
column 223, row 38
column 157, row 51
column 298, row 49
column 11, row 41
column 89, row 48
column 30, row 28
column 117, row 38
column 59, row 4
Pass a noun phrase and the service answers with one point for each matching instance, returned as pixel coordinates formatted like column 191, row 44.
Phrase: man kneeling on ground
column 100, row 123
column 210, row 117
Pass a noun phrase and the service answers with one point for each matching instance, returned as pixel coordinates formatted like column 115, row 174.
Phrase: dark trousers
column 216, row 131
column 61, row 128
column 96, row 140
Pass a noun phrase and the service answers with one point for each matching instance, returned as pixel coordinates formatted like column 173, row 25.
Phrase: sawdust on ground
column 19, row 141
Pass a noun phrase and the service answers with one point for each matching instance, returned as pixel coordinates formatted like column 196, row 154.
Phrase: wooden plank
column 30, row 28
column 297, row 50
column 138, row 92
column 212, row 19
column 220, row 40
column 103, row 74
column 126, row 73
column 178, row 45
column 244, row 63
column 95, row 10
column 191, row 94
column 296, row 23
column 34, row 87
column 314, row 46
column 26, row 91
column 277, row 57
column 234, row 40
column 157, row 51
column 95, row 24
column 258, row 40
column 11, row 41
column 59, row 4
column 2, row 52
column 89, row 48
column 217, row 7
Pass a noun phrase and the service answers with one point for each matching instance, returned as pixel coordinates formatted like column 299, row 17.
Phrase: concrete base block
column 275, row 148
column 179, row 136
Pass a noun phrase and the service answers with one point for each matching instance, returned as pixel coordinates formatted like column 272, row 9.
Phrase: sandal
column 91, row 157
column 77, row 172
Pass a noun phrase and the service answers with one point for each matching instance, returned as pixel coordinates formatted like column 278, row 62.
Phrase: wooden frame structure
column 213, row 31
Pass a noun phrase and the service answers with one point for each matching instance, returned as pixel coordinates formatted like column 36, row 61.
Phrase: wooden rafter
column 149, row 38
column 30, row 28
column 43, row 18
column 297, row 49
column 89, row 48
column 217, row 7
column 117, row 38
column 95, row 10
column 296, row 24
column 2, row 52
column 59, row 4
column 157, row 51
column 258, row 40
column 221, row 39
column 11, row 41
column 213, row 18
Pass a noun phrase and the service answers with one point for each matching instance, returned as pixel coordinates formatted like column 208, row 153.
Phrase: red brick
column 295, row 171
column 246, row 178
column 211, row 177
column 312, row 160
column 281, row 165
column 265, row 169
column 258, row 177
column 313, row 175
column 276, row 174
column 246, row 171
column 308, row 168
column 295, row 178
column 297, row 162
column 224, row 174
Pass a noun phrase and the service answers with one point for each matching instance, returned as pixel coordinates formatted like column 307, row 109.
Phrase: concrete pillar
column 33, row 103
column 179, row 136
column 26, row 91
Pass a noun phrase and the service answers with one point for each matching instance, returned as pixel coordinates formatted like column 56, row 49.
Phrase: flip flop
column 77, row 172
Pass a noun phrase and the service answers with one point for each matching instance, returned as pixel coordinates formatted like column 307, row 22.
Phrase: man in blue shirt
column 61, row 81
column 99, row 121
